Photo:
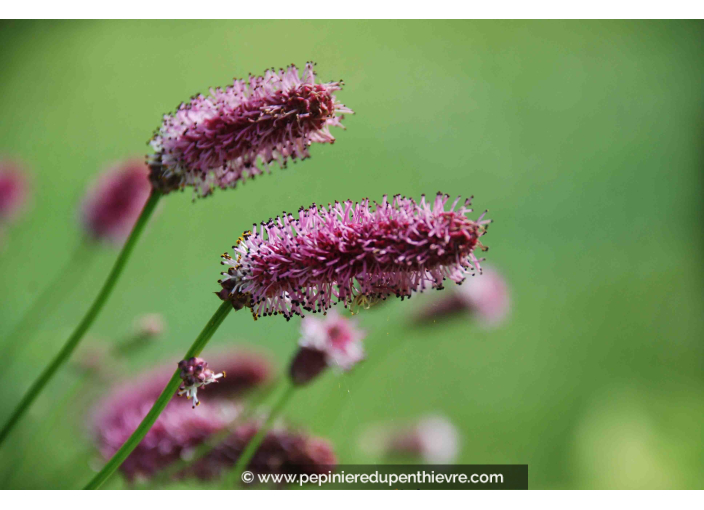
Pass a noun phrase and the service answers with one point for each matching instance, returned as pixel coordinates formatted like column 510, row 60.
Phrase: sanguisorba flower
column 351, row 253
column 283, row 450
column 115, row 200
column 235, row 133
column 196, row 374
column 334, row 341
column 14, row 190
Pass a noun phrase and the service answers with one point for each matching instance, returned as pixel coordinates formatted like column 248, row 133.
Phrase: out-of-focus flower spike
column 115, row 200
column 485, row 298
column 14, row 190
column 432, row 439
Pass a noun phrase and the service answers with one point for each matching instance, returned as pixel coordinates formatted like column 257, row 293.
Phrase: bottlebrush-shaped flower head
column 235, row 133
column 334, row 341
column 14, row 190
column 351, row 253
column 114, row 202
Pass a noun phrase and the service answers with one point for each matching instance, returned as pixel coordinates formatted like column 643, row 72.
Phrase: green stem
column 235, row 475
column 52, row 295
column 87, row 321
column 161, row 402
column 44, row 434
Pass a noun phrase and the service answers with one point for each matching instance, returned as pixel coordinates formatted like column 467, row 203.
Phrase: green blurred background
column 583, row 139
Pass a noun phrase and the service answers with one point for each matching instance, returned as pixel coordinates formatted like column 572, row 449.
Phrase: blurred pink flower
column 150, row 325
column 234, row 133
column 115, row 200
column 178, row 430
column 351, row 253
column 432, row 439
column 485, row 297
column 282, row 451
column 333, row 341
column 14, row 190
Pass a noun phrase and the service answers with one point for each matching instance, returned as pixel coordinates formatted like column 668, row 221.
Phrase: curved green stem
column 87, row 321
column 62, row 285
column 234, row 476
column 161, row 402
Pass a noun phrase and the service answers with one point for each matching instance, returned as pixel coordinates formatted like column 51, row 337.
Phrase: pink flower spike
column 114, row 202
column 333, row 341
column 351, row 253
column 233, row 134
column 14, row 190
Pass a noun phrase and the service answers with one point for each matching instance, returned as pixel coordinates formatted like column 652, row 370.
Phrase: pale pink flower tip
column 485, row 298
column 352, row 253
column 432, row 439
column 334, row 341
column 114, row 202
column 150, row 325
column 14, row 190
column 233, row 134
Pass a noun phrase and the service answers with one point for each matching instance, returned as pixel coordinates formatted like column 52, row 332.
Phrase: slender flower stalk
column 53, row 295
column 236, row 133
column 351, row 253
column 108, row 212
column 90, row 316
column 161, row 402
column 235, row 475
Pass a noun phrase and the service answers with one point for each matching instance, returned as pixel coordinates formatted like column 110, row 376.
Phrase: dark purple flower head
column 282, row 451
column 114, row 202
column 195, row 374
column 235, row 133
column 178, row 428
column 351, row 253
column 14, row 190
